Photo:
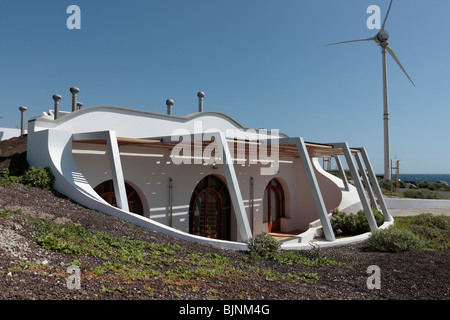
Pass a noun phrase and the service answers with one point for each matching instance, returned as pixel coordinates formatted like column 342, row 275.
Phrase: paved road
column 413, row 212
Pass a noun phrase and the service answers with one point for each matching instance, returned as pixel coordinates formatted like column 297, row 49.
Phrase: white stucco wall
column 8, row 133
column 150, row 175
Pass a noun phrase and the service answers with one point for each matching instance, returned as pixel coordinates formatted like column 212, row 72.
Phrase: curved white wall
column 347, row 200
column 138, row 124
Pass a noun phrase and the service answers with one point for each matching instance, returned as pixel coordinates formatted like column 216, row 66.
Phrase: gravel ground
column 417, row 275
column 409, row 275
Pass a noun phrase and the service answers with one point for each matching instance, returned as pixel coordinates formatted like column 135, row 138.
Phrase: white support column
column 116, row 171
column 115, row 163
column 313, row 185
column 375, row 185
column 358, row 184
column 341, row 170
column 233, row 187
column 366, row 182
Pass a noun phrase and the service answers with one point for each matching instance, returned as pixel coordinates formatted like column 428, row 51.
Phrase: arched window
column 210, row 209
column 106, row 191
column 273, row 205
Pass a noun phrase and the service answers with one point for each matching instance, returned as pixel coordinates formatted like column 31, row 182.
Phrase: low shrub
column 394, row 239
column 424, row 231
column 436, row 186
column 426, row 185
column 423, row 194
column 34, row 177
column 344, row 224
column 427, row 220
column 39, row 177
column 387, row 185
column 442, row 186
column 264, row 246
column 8, row 179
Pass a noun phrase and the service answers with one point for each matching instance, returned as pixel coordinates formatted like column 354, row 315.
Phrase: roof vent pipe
column 79, row 105
column 22, row 119
column 169, row 103
column 200, row 96
column 57, row 98
column 74, row 92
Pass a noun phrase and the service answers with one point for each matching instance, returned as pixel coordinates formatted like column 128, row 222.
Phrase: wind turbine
column 381, row 39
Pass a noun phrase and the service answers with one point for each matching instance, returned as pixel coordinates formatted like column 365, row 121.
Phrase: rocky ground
column 28, row 271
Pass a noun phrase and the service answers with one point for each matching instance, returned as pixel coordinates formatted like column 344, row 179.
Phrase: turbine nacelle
column 382, row 36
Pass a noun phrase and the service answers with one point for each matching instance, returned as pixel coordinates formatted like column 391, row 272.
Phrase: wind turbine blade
column 332, row 44
column 398, row 62
column 387, row 14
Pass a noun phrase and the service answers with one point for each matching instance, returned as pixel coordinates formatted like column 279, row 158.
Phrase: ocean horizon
column 417, row 177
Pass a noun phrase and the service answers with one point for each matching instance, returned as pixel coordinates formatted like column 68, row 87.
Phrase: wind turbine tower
column 381, row 39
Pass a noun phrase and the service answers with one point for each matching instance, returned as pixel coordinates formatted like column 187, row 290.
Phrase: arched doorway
column 273, row 205
column 210, row 209
column 106, row 191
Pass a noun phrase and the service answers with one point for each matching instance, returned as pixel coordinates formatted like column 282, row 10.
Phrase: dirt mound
column 13, row 155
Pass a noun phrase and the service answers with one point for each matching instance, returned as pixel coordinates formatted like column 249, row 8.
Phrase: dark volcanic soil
column 419, row 275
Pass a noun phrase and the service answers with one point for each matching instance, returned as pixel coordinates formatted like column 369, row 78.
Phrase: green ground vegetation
column 102, row 257
column 345, row 225
column 425, row 189
column 421, row 232
column 34, row 177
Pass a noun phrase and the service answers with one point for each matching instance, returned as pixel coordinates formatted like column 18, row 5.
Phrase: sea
column 416, row 177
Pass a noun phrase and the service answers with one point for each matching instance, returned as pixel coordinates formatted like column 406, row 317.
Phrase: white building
column 8, row 133
column 202, row 177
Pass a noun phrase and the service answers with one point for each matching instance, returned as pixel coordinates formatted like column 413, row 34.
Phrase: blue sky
column 263, row 62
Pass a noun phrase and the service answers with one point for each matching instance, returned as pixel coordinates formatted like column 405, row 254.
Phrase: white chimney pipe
column 57, row 98
column 22, row 119
column 200, row 96
column 74, row 92
column 169, row 103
